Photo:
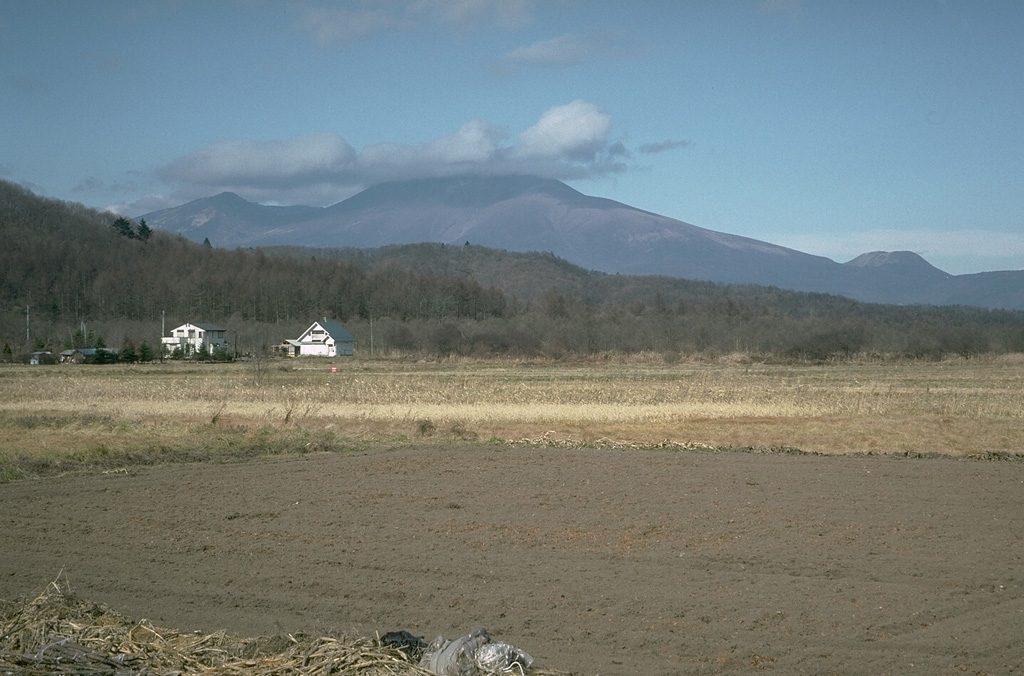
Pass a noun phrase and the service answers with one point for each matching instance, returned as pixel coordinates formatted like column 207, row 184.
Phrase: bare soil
column 596, row 561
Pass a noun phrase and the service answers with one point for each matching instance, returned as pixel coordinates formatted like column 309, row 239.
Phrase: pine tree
column 145, row 352
column 145, row 232
column 123, row 227
column 128, row 353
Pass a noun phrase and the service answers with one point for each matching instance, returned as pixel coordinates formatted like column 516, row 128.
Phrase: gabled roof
column 338, row 332
column 201, row 325
column 335, row 330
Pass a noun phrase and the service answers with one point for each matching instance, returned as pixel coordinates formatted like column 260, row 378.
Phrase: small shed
column 289, row 347
column 88, row 355
column 72, row 357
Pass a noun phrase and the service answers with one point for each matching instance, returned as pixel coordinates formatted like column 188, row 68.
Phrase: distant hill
column 225, row 218
column 72, row 276
column 527, row 213
column 524, row 276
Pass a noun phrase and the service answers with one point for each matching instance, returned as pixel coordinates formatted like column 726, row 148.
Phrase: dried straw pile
column 58, row 633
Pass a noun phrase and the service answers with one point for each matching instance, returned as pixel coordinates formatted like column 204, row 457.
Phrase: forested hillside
column 83, row 277
column 69, row 266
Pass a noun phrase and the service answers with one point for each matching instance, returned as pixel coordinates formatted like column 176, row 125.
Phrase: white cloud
column 663, row 146
column 576, row 130
column 565, row 50
column 304, row 160
column 502, row 12
column 93, row 184
column 476, row 141
column 145, row 205
column 567, row 142
column 344, row 26
column 474, row 147
column 333, row 25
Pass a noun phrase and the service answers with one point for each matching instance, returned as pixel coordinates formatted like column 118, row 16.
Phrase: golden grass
column 954, row 407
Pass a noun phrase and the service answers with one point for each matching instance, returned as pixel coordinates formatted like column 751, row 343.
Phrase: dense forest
column 76, row 277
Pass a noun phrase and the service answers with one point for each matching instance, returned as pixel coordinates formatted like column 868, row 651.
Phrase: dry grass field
column 55, row 415
column 576, row 510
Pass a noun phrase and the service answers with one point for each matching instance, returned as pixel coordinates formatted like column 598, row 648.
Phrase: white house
column 192, row 338
column 322, row 339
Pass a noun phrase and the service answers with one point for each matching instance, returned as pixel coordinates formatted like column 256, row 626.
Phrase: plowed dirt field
column 604, row 562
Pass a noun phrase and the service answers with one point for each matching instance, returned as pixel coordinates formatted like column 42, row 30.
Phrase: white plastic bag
column 454, row 658
column 501, row 659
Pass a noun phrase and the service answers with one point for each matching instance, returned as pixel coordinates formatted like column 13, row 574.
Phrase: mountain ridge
column 529, row 213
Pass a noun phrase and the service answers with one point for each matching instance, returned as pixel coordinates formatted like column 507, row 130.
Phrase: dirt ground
column 602, row 562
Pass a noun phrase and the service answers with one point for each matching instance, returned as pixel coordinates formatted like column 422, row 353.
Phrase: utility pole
column 28, row 341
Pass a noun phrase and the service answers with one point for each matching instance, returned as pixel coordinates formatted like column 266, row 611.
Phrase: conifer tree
column 123, row 227
column 145, row 352
column 128, row 353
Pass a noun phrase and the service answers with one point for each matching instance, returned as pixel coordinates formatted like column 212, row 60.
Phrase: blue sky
column 834, row 128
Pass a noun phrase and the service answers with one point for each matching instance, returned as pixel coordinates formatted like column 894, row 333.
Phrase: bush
column 447, row 339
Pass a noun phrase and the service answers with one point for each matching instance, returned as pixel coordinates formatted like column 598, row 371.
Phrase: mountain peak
column 874, row 259
column 907, row 260
column 457, row 191
column 225, row 198
column 530, row 213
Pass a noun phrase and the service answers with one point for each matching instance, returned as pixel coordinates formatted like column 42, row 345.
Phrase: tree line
column 73, row 275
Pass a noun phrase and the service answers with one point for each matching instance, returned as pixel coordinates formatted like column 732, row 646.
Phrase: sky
column 831, row 127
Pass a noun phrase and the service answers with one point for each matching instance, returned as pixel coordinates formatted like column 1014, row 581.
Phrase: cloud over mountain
column 309, row 158
column 567, row 141
column 576, row 130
